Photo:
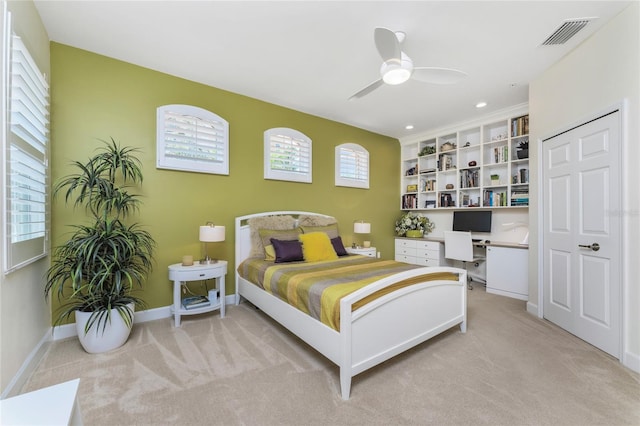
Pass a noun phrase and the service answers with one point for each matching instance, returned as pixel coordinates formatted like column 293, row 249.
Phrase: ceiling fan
column 398, row 67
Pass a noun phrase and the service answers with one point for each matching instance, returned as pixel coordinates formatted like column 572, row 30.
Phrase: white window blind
column 192, row 139
column 27, row 165
column 352, row 166
column 287, row 155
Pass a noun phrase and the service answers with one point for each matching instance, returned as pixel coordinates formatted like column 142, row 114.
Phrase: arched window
column 352, row 166
column 287, row 155
column 192, row 139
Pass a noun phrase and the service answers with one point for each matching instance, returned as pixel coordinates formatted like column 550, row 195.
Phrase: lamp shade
column 212, row 233
column 361, row 228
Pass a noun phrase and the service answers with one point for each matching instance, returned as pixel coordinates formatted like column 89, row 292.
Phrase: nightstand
column 180, row 274
column 369, row 251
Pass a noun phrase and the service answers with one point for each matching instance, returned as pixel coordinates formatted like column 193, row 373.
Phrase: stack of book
column 520, row 197
column 194, row 302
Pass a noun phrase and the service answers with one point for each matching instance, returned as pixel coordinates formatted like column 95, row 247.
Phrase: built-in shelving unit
column 479, row 166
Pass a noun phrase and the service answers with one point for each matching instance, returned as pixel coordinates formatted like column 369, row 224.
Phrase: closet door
column 582, row 232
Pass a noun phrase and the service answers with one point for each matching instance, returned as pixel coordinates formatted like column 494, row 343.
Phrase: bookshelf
column 484, row 165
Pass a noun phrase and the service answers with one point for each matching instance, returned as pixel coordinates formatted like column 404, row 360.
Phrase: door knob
column 594, row 246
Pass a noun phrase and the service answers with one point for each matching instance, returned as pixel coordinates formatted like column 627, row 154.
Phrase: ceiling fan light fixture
column 395, row 74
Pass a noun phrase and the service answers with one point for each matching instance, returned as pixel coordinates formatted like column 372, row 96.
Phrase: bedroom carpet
column 510, row 368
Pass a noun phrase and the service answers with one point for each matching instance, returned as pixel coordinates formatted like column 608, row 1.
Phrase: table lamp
column 210, row 233
column 361, row 227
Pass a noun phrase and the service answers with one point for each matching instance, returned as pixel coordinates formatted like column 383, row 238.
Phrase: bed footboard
column 398, row 321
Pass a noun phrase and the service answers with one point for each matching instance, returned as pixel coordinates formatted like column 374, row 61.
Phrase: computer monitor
column 474, row 221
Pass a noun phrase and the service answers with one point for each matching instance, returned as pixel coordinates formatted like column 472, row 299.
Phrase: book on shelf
column 193, row 302
column 409, row 201
column 495, row 198
column 520, row 197
column 469, row 178
column 446, row 200
column 501, row 154
column 520, row 126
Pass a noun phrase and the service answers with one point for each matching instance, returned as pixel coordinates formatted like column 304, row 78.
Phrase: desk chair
column 459, row 246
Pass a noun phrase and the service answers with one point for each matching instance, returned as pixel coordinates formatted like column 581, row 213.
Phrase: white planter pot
column 96, row 341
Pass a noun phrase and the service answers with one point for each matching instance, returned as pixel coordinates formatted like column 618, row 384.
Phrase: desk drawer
column 428, row 245
column 196, row 274
column 422, row 261
column 405, row 243
column 405, row 259
column 406, row 251
column 428, row 254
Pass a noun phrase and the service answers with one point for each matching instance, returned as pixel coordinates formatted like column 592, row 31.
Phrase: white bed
column 373, row 333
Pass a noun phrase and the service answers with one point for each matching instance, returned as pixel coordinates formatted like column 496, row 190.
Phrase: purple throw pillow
column 338, row 246
column 287, row 251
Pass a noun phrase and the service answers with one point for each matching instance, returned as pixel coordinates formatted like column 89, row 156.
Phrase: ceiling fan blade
column 437, row 75
column 387, row 44
column 370, row 88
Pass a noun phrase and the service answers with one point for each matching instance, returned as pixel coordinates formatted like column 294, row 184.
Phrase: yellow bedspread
column 317, row 287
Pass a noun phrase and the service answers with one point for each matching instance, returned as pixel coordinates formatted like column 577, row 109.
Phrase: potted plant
column 97, row 270
column 413, row 225
column 523, row 149
column 495, row 179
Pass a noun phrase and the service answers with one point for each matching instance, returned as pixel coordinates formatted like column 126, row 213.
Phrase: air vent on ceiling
column 568, row 29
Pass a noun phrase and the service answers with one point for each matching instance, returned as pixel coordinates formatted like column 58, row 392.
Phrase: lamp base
column 208, row 261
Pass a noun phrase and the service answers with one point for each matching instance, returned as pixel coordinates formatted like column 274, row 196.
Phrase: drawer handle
column 202, row 275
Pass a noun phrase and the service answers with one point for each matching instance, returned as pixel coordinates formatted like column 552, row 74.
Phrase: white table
column 52, row 406
column 180, row 274
column 364, row 251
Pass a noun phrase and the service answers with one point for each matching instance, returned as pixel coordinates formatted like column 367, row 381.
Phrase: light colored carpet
column 509, row 368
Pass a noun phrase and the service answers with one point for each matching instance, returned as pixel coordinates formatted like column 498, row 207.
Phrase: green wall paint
column 95, row 97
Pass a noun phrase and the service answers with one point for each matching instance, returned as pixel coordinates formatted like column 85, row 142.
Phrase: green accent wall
column 94, row 97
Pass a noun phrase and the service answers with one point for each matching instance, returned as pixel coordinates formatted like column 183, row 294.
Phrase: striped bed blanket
column 317, row 287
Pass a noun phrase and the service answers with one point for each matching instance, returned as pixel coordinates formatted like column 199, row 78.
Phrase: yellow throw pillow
column 317, row 246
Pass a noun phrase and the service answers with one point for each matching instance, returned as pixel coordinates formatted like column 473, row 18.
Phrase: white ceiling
column 312, row 56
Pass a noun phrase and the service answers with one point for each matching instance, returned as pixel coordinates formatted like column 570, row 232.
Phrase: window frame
column 26, row 145
column 302, row 176
column 358, row 151
column 219, row 137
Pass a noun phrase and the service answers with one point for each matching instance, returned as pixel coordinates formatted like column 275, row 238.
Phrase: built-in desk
column 507, row 266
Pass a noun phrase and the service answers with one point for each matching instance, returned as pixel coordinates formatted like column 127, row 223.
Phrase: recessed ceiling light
column 481, row 104
column 409, row 127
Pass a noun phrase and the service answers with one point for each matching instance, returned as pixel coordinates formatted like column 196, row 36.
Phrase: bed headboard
column 243, row 235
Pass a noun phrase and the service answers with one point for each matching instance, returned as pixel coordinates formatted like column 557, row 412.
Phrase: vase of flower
column 413, row 225
column 414, row 233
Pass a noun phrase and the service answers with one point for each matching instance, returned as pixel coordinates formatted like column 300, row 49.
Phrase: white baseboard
column 532, row 308
column 69, row 330
column 631, row 361
column 28, row 367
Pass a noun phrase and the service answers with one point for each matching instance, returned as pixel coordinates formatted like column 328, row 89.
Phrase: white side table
column 180, row 274
column 54, row 405
column 369, row 251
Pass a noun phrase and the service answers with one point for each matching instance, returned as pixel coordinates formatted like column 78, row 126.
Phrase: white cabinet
column 479, row 166
column 419, row 252
column 508, row 272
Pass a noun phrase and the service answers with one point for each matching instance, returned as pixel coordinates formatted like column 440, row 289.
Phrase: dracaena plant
column 104, row 261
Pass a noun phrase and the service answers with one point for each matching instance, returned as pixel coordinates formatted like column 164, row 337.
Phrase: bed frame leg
column 345, row 384
column 463, row 327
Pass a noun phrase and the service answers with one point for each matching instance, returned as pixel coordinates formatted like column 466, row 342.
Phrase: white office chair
column 459, row 246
